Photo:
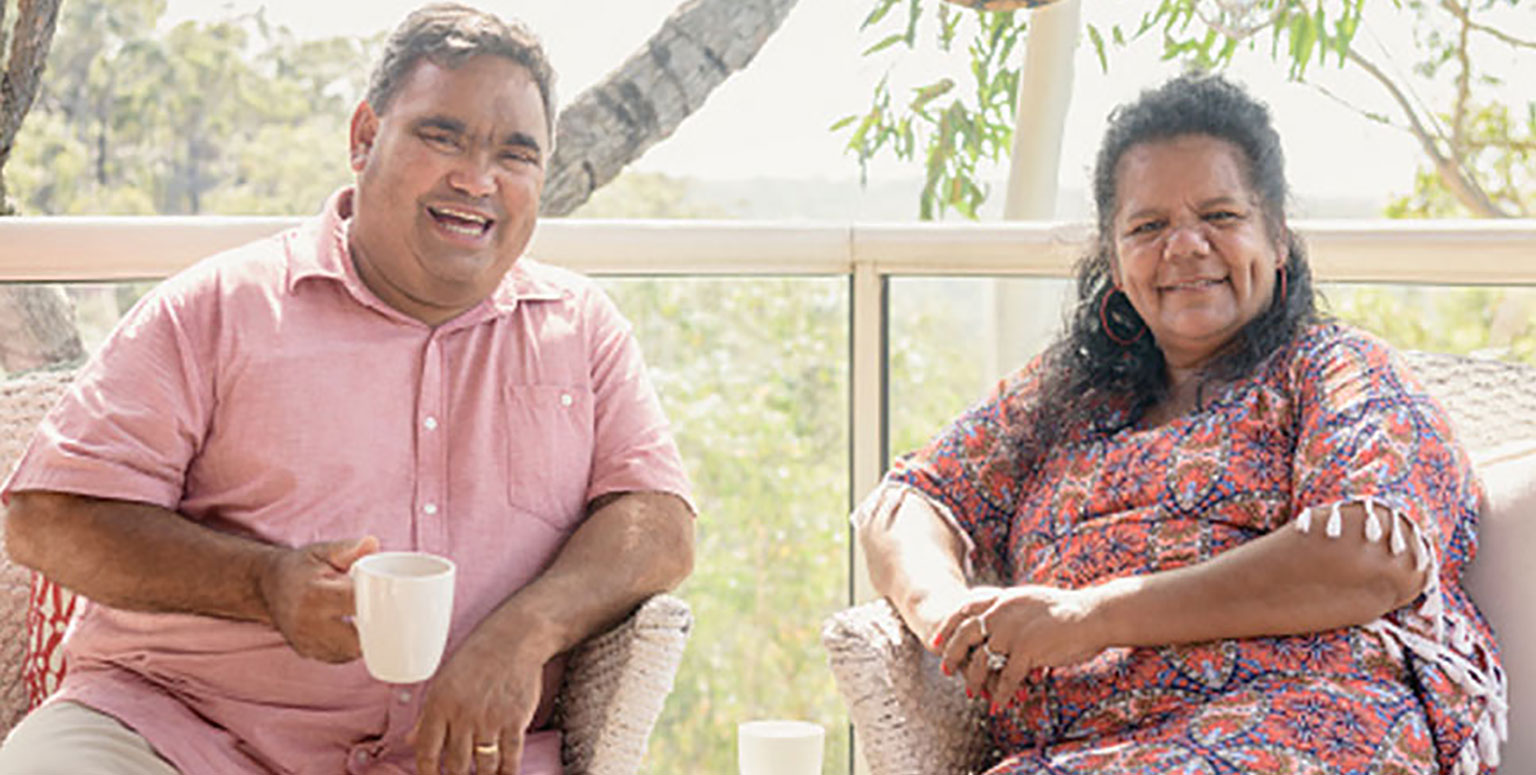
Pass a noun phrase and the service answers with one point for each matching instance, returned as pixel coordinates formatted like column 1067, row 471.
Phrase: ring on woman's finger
column 487, row 749
column 982, row 620
column 995, row 661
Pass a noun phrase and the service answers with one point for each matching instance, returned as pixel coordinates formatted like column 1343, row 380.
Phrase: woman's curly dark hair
column 1089, row 378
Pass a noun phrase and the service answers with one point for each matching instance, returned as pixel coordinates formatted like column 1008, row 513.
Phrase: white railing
column 1433, row 252
column 1400, row 252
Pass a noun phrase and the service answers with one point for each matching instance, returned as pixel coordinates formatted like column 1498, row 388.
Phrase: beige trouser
column 67, row 738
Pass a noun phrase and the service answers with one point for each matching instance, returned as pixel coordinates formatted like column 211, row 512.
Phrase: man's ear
column 365, row 127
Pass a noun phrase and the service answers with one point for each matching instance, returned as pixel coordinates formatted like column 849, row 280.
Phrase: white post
column 1023, row 314
column 1045, row 92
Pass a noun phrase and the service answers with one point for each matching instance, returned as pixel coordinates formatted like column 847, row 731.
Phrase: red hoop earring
column 1104, row 320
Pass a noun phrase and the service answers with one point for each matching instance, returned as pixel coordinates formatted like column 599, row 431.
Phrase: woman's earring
column 1282, row 274
column 1104, row 319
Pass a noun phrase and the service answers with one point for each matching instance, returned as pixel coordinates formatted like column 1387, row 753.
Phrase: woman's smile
column 1198, row 284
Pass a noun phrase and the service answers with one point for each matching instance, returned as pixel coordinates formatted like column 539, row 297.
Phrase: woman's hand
column 946, row 612
column 1032, row 626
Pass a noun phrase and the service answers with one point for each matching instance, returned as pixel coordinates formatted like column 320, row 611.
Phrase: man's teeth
column 462, row 215
column 468, row 231
column 461, row 222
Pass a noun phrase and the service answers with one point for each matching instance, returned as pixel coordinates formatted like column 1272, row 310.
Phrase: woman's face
column 1191, row 249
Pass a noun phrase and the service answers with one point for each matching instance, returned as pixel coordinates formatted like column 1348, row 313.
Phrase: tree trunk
column 33, row 34
column 642, row 102
column 37, row 322
column 37, row 328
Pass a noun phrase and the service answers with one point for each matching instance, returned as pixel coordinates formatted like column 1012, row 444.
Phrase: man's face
column 448, row 184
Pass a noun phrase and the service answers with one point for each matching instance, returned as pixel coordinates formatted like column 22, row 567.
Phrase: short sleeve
column 633, row 447
column 138, row 411
column 972, row 469
column 1369, row 433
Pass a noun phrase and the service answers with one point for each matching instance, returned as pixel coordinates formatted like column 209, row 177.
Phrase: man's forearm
column 631, row 547
column 136, row 556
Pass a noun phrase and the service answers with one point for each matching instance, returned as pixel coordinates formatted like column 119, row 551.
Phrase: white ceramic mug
column 404, row 604
column 777, row 747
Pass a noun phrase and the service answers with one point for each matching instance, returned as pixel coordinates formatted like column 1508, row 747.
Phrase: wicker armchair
column 615, row 683
column 911, row 720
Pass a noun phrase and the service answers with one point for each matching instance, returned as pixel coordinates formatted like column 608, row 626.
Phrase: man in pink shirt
column 390, row 375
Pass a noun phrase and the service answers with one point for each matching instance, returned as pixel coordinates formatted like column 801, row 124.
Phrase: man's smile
column 460, row 220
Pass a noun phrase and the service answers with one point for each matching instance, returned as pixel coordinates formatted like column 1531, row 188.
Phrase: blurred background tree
column 234, row 116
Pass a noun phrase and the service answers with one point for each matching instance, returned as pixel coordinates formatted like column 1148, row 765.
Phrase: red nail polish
column 968, row 694
column 938, row 639
column 944, row 669
column 986, row 695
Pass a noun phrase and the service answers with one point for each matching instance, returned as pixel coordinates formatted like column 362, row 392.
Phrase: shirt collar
column 319, row 249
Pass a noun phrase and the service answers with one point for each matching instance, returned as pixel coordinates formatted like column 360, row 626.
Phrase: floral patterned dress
column 1330, row 419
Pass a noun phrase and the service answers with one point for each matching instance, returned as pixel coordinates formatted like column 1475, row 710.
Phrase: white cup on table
column 404, row 605
column 779, row 747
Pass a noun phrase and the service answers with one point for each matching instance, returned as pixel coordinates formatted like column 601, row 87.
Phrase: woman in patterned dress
column 1206, row 531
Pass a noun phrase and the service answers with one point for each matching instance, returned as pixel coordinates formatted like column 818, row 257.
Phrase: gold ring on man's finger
column 487, row 749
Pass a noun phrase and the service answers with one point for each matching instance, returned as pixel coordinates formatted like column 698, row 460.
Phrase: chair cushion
column 49, row 610
column 1502, row 578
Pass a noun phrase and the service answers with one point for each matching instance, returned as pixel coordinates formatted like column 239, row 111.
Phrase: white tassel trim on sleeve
column 1453, row 647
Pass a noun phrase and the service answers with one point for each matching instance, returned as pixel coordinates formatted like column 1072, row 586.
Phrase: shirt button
column 404, row 696
column 430, row 508
column 565, row 399
column 431, row 423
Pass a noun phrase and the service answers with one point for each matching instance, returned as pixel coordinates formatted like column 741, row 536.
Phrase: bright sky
column 771, row 119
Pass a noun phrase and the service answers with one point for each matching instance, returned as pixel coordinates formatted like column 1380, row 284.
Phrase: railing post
column 867, row 396
column 868, row 385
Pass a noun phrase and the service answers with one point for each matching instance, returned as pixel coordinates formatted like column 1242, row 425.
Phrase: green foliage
column 950, row 129
column 1499, row 150
column 1496, row 322
column 233, row 116
column 938, row 355
column 1207, row 35
column 753, row 375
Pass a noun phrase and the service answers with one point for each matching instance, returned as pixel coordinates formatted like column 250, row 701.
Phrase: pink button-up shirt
column 266, row 392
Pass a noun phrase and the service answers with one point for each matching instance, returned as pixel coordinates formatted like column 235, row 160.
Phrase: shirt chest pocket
column 549, row 442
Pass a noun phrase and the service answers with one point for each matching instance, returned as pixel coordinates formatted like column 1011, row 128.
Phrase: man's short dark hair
column 447, row 35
